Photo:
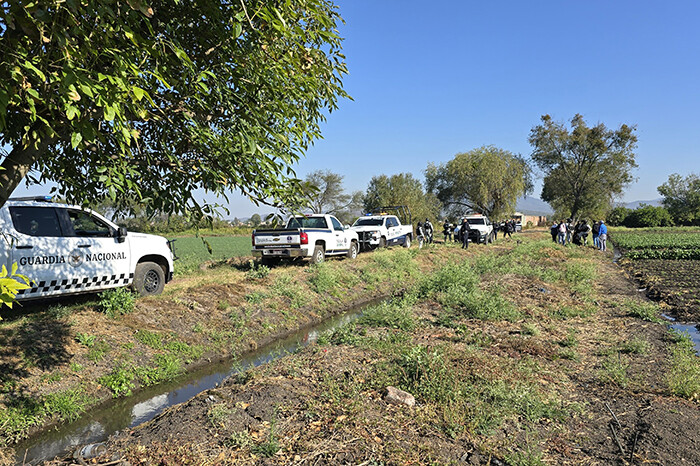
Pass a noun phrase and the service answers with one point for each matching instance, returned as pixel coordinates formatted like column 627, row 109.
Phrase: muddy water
column 693, row 330
column 100, row 423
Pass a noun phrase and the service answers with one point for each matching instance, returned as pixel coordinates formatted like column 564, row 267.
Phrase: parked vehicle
column 480, row 229
column 382, row 229
column 306, row 236
column 66, row 249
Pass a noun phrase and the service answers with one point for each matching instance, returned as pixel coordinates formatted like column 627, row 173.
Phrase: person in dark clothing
column 447, row 230
column 554, row 231
column 428, row 227
column 420, row 234
column 464, row 232
column 576, row 238
column 509, row 228
column 585, row 229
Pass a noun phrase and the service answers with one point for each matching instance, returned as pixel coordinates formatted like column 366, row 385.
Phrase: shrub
column 648, row 216
column 256, row 271
column 117, row 302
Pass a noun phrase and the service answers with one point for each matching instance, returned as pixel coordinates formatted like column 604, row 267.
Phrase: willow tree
column 486, row 180
column 584, row 169
column 147, row 101
column 401, row 189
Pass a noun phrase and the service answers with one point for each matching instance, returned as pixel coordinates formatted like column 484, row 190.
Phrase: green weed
column 256, row 271
column 684, row 376
column 389, row 314
column 643, row 310
column 85, row 339
column 117, row 302
column 98, row 350
column 636, row 345
column 150, row 339
column 614, row 370
column 119, row 381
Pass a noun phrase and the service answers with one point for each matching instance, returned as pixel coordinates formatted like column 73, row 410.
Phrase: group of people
column 566, row 231
column 424, row 231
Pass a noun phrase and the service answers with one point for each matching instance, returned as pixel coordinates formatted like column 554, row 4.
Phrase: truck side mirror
column 347, row 227
column 121, row 234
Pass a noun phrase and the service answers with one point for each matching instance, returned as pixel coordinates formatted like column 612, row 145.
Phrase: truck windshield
column 373, row 222
column 476, row 221
column 307, row 222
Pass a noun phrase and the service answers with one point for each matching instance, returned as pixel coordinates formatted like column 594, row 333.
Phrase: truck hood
column 366, row 228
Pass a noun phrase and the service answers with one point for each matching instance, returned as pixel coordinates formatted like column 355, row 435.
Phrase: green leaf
column 75, row 139
column 109, row 113
column 72, row 112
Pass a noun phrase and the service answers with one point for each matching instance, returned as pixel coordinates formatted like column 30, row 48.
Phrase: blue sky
column 432, row 79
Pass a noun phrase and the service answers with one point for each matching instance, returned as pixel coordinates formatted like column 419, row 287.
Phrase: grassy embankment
column 511, row 354
column 62, row 359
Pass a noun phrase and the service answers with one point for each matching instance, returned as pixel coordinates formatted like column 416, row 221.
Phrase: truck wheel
column 319, row 255
column 407, row 242
column 352, row 252
column 149, row 279
column 382, row 243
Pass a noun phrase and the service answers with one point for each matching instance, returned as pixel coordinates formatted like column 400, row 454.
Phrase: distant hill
column 635, row 204
column 533, row 206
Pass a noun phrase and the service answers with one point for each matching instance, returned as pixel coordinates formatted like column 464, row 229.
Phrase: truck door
column 41, row 251
column 106, row 261
column 391, row 224
column 49, row 253
column 340, row 240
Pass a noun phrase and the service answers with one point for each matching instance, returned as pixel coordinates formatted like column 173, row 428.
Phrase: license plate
column 274, row 252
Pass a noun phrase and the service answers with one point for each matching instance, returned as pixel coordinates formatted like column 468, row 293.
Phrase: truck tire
column 319, row 255
column 149, row 279
column 407, row 242
column 352, row 252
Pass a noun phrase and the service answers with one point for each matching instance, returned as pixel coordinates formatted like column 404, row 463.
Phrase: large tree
column 401, row 189
column 585, row 168
column 487, row 180
column 329, row 196
column 682, row 198
column 148, row 100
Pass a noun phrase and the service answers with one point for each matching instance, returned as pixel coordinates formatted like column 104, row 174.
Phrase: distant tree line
column 681, row 206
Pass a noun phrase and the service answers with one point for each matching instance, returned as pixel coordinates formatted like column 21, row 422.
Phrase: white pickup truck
column 65, row 250
column 312, row 236
column 480, row 229
column 378, row 231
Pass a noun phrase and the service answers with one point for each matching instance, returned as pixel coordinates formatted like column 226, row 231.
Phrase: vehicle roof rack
column 32, row 198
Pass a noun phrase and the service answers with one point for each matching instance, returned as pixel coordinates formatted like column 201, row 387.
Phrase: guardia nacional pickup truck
column 305, row 236
column 379, row 228
column 66, row 249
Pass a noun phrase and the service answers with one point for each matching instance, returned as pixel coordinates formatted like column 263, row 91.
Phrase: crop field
column 667, row 263
column 192, row 251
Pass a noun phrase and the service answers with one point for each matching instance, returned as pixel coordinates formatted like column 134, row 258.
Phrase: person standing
column 464, row 231
column 596, row 232
column 603, row 236
column 585, row 229
column 569, row 230
column 562, row 233
column 554, row 231
column 428, row 227
column 508, row 229
column 420, row 234
column 447, row 230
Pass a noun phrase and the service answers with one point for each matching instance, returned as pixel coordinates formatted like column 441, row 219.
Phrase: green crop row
column 666, row 254
column 635, row 241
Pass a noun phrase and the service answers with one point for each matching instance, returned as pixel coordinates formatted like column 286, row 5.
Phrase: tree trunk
column 16, row 166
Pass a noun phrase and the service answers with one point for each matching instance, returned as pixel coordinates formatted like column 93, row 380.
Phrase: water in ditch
column 100, row 423
column 692, row 329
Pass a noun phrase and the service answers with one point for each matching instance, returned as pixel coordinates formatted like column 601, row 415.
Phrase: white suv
column 65, row 249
